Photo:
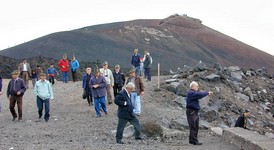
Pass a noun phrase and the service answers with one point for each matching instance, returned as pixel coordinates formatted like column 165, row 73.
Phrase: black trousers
column 193, row 122
column 116, row 89
column 122, row 122
column 51, row 79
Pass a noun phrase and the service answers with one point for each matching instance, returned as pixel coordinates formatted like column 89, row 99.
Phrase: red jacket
column 64, row 65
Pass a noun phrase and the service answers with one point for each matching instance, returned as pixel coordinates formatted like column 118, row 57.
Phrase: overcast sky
column 250, row 21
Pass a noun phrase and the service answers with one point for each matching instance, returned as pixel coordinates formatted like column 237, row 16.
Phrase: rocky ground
column 73, row 124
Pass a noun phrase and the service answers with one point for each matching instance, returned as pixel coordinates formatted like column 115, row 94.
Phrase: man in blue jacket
column 193, row 106
column 135, row 62
column 125, row 113
column 98, row 85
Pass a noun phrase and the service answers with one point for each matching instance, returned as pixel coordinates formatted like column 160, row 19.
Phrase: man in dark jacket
column 242, row 120
column 15, row 91
column 119, row 80
column 85, row 85
column 193, row 106
column 147, row 65
column 125, row 113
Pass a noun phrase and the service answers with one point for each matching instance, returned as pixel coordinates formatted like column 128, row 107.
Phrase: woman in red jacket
column 64, row 68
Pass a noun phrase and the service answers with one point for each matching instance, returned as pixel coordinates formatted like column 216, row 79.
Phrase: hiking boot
column 119, row 142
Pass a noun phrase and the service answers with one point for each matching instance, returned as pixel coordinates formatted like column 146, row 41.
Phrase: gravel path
column 73, row 124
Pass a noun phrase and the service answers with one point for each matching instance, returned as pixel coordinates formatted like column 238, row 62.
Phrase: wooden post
column 158, row 76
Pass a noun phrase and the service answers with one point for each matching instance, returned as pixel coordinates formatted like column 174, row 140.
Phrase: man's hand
column 18, row 93
column 210, row 93
column 142, row 93
column 96, row 86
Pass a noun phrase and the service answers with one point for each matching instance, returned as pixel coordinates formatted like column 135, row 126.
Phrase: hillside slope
column 173, row 42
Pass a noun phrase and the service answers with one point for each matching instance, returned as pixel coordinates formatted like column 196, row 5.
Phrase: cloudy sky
column 250, row 21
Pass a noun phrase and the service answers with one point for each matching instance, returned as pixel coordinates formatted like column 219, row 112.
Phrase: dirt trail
column 73, row 124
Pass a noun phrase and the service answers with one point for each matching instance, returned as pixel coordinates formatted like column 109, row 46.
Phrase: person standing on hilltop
column 15, row 91
column 85, row 85
column 126, row 114
column 44, row 93
column 107, row 73
column 74, row 66
column 64, row 68
column 137, row 91
column 25, row 71
column 147, row 65
column 119, row 80
column 52, row 73
column 192, row 109
column 135, row 62
column 98, row 85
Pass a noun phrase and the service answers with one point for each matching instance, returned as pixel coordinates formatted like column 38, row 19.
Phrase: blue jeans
column 65, row 77
column 138, row 71
column 40, row 106
column 136, row 102
column 100, row 103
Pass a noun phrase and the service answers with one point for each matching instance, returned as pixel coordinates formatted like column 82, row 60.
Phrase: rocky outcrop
column 235, row 89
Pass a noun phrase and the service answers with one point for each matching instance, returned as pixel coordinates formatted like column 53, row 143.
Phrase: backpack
column 150, row 59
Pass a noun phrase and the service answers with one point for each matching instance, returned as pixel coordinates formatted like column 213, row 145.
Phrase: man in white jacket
column 44, row 93
column 107, row 73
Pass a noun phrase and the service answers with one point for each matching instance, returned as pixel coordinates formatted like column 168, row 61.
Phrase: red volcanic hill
column 173, row 42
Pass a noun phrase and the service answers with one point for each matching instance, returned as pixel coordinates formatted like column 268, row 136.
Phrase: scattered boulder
column 180, row 101
column 209, row 114
column 152, row 129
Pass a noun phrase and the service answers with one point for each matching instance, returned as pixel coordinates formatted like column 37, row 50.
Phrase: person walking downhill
column 98, row 86
column 33, row 77
column 85, row 85
column 107, row 73
column 25, row 71
column 15, row 91
column 135, row 62
column 136, row 92
column 119, row 80
column 52, row 73
column 147, row 65
column 74, row 66
column 38, row 70
column 64, row 68
column 126, row 114
column 192, row 109
column 44, row 93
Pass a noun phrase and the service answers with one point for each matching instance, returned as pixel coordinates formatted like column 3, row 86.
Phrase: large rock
column 248, row 92
column 181, row 101
column 180, row 124
column 209, row 114
column 247, row 140
column 182, row 89
column 152, row 129
column 213, row 78
column 233, row 68
column 242, row 97
column 236, row 76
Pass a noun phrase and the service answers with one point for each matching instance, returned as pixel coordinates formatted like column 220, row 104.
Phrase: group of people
column 98, row 87
column 16, row 89
column 142, row 65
